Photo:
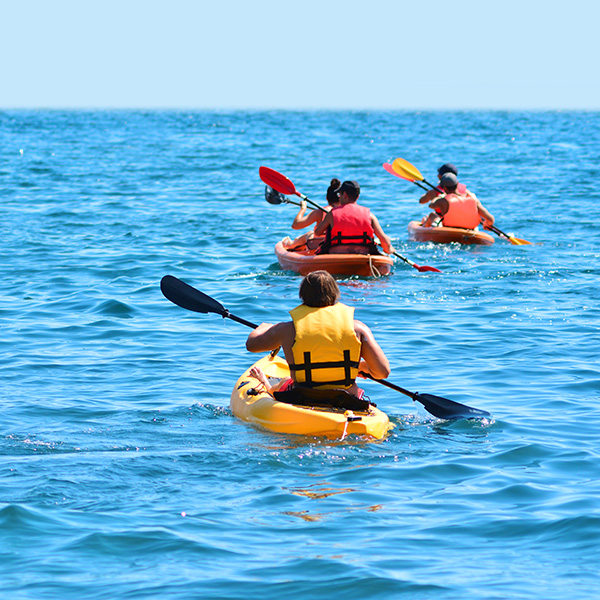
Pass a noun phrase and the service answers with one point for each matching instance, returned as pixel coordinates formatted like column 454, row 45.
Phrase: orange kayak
column 447, row 235
column 305, row 261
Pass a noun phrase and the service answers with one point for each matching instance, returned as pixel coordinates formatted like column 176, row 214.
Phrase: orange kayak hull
column 447, row 235
column 305, row 261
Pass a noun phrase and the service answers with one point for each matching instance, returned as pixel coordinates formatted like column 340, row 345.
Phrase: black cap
column 447, row 168
column 351, row 187
column 449, row 180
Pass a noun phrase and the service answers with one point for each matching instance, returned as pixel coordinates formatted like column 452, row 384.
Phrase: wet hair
column 332, row 197
column 319, row 289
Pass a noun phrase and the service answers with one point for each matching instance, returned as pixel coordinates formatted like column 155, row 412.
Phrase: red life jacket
column 462, row 211
column 351, row 225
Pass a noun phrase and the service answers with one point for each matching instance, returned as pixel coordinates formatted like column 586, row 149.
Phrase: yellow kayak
column 251, row 403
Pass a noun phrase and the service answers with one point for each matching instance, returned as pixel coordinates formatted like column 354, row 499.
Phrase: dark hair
column 332, row 197
column 319, row 289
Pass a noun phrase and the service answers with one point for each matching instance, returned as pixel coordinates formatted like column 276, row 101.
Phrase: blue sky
column 372, row 54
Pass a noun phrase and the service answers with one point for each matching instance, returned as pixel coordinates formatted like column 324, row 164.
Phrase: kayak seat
column 303, row 396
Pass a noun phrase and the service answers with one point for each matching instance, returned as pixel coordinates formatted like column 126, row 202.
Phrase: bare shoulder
column 362, row 331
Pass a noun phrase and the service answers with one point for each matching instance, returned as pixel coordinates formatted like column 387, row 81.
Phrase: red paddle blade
column 277, row 181
column 425, row 268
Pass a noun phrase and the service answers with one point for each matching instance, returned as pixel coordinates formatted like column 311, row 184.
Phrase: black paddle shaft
column 439, row 407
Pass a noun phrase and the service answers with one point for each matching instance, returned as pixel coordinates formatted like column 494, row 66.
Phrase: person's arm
column 301, row 221
column 386, row 243
column 429, row 195
column 321, row 228
column 268, row 337
column 488, row 217
column 374, row 361
column 440, row 206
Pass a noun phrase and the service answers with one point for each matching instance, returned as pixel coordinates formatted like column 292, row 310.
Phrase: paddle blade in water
column 511, row 238
column 407, row 171
column 515, row 241
column 442, row 408
column 277, row 181
column 424, row 268
column 188, row 297
column 419, row 268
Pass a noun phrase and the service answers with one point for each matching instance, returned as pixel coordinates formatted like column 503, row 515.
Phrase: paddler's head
column 447, row 168
column 448, row 182
column 348, row 192
column 319, row 289
column 332, row 197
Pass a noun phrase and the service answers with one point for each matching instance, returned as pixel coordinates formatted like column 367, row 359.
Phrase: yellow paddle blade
column 406, row 170
column 519, row 242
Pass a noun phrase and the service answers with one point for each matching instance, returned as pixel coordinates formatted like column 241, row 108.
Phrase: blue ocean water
column 123, row 473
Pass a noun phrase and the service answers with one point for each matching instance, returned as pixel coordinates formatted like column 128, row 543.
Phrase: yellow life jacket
column 326, row 350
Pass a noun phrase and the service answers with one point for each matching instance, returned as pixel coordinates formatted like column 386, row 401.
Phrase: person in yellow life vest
column 351, row 228
column 315, row 216
column 456, row 209
column 324, row 345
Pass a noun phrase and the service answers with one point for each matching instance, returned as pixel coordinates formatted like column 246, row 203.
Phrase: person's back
column 351, row 228
column 326, row 350
column 324, row 345
column 462, row 211
column 456, row 209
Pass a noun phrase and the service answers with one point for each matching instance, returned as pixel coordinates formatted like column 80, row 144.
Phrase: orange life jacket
column 462, row 211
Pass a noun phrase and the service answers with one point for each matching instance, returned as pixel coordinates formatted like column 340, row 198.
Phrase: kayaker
column 351, row 228
column 323, row 344
column 456, row 209
column 315, row 216
column 432, row 194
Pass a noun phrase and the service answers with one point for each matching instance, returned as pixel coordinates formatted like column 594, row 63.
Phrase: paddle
column 511, row 238
column 274, row 197
column 420, row 268
column 280, row 183
column 190, row 298
column 439, row 407
column 403, row 169
column 407, row 171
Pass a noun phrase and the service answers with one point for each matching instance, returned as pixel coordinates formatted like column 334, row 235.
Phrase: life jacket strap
column 308, row 366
